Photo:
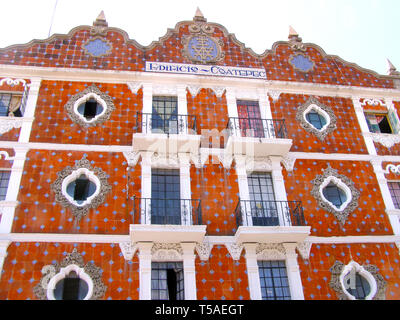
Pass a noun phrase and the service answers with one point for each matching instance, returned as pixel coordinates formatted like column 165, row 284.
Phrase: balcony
column 257, row 137
column 176, row 134
column 270, row 221
column 169, row 220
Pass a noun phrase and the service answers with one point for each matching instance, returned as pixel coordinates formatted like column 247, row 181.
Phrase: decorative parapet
column 9, row 123
column 386, row 139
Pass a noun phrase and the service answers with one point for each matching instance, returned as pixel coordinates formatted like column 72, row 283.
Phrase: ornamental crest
column 200, row 47
column 97, row 47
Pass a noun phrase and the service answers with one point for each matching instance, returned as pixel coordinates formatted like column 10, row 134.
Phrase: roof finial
column 198, row 16
column 101, row 20
column 392, row 69
column 293, row 35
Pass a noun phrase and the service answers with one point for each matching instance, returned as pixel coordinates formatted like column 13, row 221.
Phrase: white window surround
column 166, row 252
column 339, row 183
column 317, row 109
column 364, row 273
column 269, row 252
column 63, row 274
column 74, row 176
column 84, row 99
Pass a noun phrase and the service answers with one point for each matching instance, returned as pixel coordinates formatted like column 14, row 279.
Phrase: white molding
column 110, row 76
column 393, row 168
column 388, row 140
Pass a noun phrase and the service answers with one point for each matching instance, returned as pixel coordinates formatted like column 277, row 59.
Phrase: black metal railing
column 167, row 211
column 166, row 124
column 269, row 213
column 257, row 128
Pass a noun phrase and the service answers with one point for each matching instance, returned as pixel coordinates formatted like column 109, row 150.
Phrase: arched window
column 334, row 195
column 81, row 189
column 357, row 285
column 90, row 109
column 316, row 119
column 71, row 288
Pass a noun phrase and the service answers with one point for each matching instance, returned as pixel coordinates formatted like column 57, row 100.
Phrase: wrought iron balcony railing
column 257, row 128
column 167, row 211
column 166, row 124
column 269, row 213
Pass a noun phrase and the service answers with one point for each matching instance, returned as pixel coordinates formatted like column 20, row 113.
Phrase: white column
column 147, row 107
column 363, row 125
column 182, row 109
column 252, row 271
column 244, row 193
column 144, row 270
column 3, row 253
column 266, row 114
column 280, row 191
column 293, row 272
column 387, row 197
column 184, row 174
column 189, row 270
column 30, row 109
column 146, row 188
column 232, row 111
column 14, row 183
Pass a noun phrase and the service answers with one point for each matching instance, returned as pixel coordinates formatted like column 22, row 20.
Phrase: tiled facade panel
column 12, row 135
column 346, row 138
column 217, row 188
column 67, row 51
column 327, row 69
column 40, row 213
column 369, row 218
column 221, row 277
column 170, row 49
column 6, row 163
column 212, row 117
column 315, row 274
column 53, row 125
column 24, row 262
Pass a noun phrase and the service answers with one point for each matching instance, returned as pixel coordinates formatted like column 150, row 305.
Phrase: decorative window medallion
column 97, row 47
column 342, row 182
column 341, row 282
column 73, row 262
column 301, row 62
column 75, row 107
column 313, row 105
column 66, row 176
column 200, row 47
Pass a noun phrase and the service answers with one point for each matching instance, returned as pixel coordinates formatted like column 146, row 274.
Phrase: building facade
column 196, row 169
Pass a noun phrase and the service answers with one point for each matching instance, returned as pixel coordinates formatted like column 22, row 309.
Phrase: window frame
column 368, row 114
column 13, row 94
column 395, row 199
column 262, row 278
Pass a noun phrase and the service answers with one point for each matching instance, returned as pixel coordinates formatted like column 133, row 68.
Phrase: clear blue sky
column 360, row 31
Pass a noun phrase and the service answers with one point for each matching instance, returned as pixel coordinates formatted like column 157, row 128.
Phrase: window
column 81, row 189
column 357, row 286
column 165, row 197
column 90, row 109
column 165, row 115
column 71, row 288
column 262, row 200
column 378, row 123
column 10, row 104
column 394, row 188
column 334, row 195
column 316, row 119
column 250, row 122
column 273, row 280
column 4, row 179
column 167, row 281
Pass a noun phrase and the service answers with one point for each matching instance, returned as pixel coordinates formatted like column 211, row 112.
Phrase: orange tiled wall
column 315, row 274
column 53, row 125
column 24, row 262
column 345, row 139
column 369, row 218
column 39, row 212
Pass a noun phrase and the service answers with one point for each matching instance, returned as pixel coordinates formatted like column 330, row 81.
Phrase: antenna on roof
column 52, row 18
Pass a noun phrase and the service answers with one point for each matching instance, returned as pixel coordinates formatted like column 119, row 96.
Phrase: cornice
column 125, row 77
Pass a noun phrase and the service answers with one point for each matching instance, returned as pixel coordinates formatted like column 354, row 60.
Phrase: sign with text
column 205, row 70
